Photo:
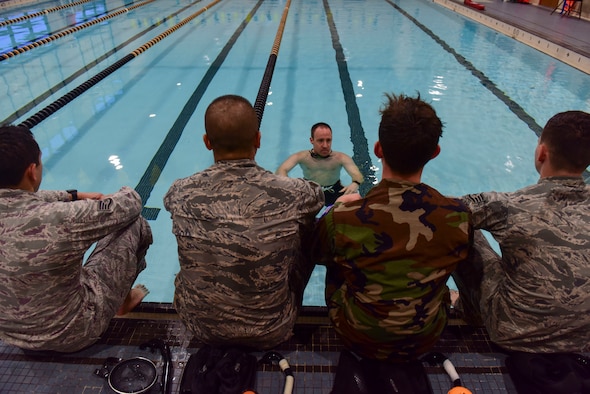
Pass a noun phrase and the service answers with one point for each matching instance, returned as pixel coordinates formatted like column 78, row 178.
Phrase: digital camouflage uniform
column 240, row 231
column 388, row 258
column 48, row 299
column 536, row 298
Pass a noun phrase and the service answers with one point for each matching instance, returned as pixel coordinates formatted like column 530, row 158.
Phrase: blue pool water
column 141, row 124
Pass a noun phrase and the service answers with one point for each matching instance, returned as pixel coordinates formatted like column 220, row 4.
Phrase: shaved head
column 231, row 125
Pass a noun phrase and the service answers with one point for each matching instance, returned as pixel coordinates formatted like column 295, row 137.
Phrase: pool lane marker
column 484, row 80
column 64, row 82
column 76, row 92
column 158, row 162
column 67, row 32
column 260, row 102
column 41, row 13
column 360, row 146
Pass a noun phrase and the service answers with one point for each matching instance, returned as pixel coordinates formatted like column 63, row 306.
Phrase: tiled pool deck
column 312, row 354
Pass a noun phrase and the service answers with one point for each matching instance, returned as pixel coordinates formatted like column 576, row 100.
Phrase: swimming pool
column 141, row 123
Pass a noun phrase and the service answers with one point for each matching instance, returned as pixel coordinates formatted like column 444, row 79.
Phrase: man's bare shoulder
column 300, row 155
column 305, row 156
column 341, row 157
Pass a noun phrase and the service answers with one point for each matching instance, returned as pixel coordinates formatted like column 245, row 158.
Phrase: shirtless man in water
column 322, row 165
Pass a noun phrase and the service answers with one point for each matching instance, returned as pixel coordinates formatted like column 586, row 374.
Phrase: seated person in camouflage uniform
column 390, row 254
column 536, row 296
column 323, row 165
column 242, row 236
column 49, row 300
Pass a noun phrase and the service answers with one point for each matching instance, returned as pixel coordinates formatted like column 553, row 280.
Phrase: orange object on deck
column 475, row 5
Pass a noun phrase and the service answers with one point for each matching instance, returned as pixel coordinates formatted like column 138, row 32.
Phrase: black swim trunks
column 331, row 193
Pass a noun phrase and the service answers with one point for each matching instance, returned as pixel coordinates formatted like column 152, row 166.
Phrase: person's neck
column 547, row 172
column 316, row 155
column 23, row 185
column 394, row 176
column 233, row 156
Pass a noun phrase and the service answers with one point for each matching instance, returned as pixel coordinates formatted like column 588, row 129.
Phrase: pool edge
column 559, row 52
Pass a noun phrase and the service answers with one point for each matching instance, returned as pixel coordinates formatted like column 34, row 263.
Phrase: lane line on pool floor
column 360, row 145
column 512, row 105
column 87, row 66
column 156, row 166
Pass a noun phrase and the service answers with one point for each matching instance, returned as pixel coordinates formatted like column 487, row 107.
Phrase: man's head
column 231, row 127
column 408, row 134
column 20, row 159
column 321, row 139
column 565, row 140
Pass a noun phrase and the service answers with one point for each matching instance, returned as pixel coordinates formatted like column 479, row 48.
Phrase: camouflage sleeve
column 323, row 240
column 53, row 195
column 91, row 220
column 313, row 197
column 169, row 199
column 323, row 252
column 489, row 210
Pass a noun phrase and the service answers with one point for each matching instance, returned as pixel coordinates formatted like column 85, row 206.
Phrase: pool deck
column 313, row 351
column 312, row 354
column 563, row 37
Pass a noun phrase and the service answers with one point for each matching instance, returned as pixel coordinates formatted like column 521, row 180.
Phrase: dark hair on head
column 18, row 150
column 408, row 133
column 231, row 124
column 567, row 137
column 319, row 124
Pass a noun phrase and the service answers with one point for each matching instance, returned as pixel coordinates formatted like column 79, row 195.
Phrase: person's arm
column 348, row 197
column 322, row 240
column 323, row 253
column 489, row 210
column 289, row 164
column 67, row 195
column 90, row 196
column 93, row 217
column 76, row 225
column 355, row 174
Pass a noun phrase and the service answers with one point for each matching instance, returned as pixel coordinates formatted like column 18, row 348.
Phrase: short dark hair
column 408, row 133
column 567, row 137
column 18, row 150
column 231, row 123
column 319, row 124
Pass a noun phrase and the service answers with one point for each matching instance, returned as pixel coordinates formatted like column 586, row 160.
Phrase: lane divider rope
column 61, row 34
column 71, row 95
column 40, row 13
column 260, row 102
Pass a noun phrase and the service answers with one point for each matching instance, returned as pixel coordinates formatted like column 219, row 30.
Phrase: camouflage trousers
column 106, row 279
column 477, row 279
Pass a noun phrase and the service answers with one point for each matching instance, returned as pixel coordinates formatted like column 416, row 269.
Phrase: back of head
column 567, row 137
column 18, row 150
column 231, row 124
column 408, row 133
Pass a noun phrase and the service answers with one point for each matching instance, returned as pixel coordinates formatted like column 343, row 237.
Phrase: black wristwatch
column 74, row 194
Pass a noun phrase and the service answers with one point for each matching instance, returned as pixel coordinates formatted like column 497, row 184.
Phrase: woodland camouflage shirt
column 388, row 258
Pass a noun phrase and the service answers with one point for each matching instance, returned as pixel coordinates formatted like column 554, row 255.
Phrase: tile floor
column 312, row 354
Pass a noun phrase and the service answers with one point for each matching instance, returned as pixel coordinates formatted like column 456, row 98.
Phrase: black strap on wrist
column 73, row 193
column 357, row 182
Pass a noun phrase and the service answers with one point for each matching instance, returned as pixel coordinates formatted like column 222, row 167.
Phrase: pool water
column 142, row 124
